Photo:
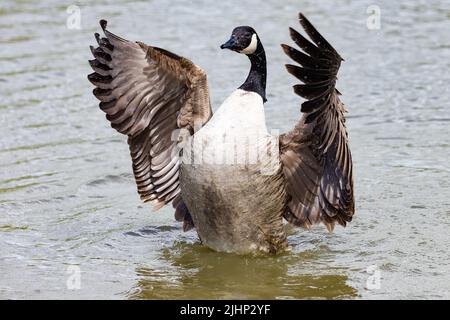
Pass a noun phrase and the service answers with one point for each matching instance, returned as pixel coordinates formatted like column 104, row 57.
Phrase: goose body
column 228, row 168
column 225, row 174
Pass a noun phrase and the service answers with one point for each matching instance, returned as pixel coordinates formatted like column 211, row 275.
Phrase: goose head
column 243, row 40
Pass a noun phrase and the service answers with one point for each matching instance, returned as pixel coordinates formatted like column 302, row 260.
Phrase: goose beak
column 229, row 44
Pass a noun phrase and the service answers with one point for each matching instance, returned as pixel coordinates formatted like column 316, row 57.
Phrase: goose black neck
column 256, row 80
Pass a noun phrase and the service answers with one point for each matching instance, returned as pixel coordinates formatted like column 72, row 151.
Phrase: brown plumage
column 316, row 158
column 148, row 94
column 161, row 100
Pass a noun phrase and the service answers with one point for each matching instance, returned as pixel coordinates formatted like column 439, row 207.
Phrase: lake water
column 68, row 203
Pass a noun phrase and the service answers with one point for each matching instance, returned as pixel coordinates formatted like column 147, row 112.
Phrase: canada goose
column 225, row 174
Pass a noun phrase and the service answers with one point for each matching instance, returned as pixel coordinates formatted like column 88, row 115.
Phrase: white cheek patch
column 252, row 46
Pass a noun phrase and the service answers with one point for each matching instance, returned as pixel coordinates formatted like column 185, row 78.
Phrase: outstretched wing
column 316, row 158
column 147, row 94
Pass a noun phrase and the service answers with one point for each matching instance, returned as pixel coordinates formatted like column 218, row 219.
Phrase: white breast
column 241, row 113
column 236, row 134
